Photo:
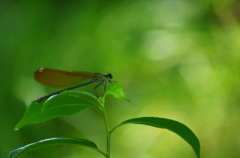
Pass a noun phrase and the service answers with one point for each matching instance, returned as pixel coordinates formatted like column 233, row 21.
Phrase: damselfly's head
column 109, row 75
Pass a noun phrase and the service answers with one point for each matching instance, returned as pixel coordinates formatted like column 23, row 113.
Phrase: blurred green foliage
column 177, row 59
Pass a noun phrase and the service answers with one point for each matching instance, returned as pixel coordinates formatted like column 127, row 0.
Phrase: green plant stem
column 106, row 126
column 107, row 133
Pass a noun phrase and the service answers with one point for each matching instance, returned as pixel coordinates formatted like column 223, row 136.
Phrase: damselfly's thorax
column 99, row 76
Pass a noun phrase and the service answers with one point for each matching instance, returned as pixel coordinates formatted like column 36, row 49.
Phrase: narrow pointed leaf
column 53, row 141
column 174, row 126
column 63, row 104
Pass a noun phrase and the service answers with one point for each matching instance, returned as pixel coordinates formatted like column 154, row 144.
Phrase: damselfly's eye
column 110, row 75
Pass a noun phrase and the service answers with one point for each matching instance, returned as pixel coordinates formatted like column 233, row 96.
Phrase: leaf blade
column 116, row 90
column 180, row 129
column 53, row 141
column 63, row 104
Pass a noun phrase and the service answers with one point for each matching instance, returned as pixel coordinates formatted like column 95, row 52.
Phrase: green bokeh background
column 177, row 59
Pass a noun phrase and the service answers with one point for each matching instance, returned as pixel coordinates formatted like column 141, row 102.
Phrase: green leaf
column 116, row 90
column 63, row 104
column 80, row 93
column 174, row 126
column 53, row 141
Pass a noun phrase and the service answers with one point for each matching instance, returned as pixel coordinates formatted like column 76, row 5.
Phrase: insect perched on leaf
column 60, row 78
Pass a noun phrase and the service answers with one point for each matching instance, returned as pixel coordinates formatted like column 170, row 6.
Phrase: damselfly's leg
column 100, row 83
column 103, row 82
column 105, row 85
